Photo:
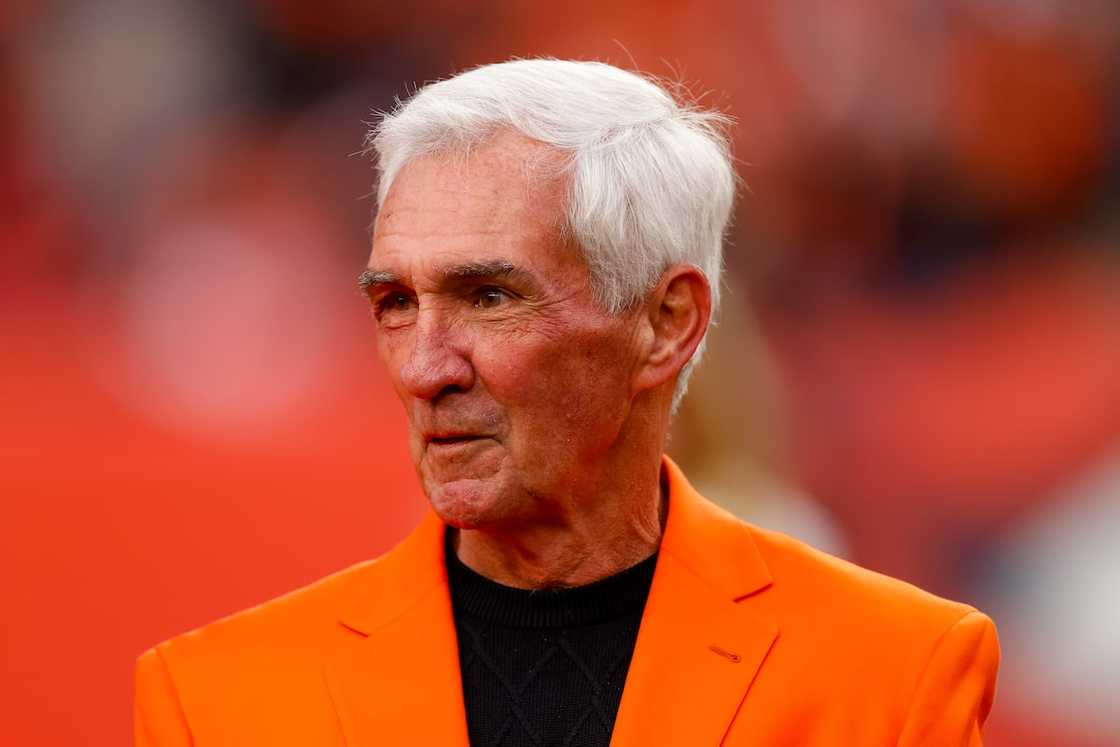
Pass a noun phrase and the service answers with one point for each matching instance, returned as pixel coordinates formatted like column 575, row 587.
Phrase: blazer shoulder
column 840, row 622
column 253, row 677
column 807, row 578
column 297, row 620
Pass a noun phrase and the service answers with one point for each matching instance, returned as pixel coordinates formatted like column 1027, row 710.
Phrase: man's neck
column 600, row 539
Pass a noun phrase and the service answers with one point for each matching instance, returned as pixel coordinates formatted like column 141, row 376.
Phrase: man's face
column 515, row 383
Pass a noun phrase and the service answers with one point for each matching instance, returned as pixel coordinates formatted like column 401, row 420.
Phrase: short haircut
column 650, row 179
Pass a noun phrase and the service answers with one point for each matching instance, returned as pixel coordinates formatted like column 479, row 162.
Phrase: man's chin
column 466, row 503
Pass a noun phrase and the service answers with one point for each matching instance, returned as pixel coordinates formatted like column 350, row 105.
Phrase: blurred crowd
column 918, row 364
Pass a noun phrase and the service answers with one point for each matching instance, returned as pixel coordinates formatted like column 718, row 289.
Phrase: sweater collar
column 617, row 596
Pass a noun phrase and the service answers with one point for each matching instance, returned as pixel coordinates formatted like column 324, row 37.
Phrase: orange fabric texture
column 749, row 637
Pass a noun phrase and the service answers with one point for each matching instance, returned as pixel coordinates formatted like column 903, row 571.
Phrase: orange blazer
column 749, row 637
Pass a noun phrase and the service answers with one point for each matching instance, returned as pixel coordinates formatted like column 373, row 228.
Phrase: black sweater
column 545, row 668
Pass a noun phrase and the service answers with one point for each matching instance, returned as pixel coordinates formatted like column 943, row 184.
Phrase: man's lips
column 450, row 439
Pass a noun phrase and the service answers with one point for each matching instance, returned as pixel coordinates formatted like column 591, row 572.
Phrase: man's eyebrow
column 369, row 277
column 492, row 268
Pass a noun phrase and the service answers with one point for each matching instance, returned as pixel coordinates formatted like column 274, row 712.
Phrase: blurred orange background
column 918, row 366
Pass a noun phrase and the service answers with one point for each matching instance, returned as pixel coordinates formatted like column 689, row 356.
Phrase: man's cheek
column 393, row 356
column 511, row 373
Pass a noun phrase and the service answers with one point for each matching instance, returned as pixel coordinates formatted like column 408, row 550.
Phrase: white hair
column 651, row 181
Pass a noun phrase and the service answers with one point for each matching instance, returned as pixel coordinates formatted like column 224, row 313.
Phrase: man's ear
column 676, row 317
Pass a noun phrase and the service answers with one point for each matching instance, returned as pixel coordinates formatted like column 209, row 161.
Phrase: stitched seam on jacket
column 926, row 665
column 166, row 666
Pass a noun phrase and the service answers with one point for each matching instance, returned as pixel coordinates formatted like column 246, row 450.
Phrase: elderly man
column 544, row 268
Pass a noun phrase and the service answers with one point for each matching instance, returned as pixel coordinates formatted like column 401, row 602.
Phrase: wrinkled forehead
column 507, row 184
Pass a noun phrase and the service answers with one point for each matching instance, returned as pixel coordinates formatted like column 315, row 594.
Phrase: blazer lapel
column 698, row 648
column 395, row 678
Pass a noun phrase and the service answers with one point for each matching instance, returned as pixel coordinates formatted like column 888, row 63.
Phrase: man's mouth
column 452, row 439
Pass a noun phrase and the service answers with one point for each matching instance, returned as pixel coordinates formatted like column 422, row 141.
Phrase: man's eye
column 394, row 302
column 489, row 298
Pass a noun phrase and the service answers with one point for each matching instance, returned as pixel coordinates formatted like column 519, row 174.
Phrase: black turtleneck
column 545, row 668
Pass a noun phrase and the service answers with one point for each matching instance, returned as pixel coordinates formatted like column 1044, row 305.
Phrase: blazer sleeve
column 158, row 719
column 955, row 691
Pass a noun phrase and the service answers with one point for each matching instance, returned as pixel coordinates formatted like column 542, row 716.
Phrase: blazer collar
column 718, row 548
column 699, row 647
column 697, row 652
column 399, row 579
column 395, row 679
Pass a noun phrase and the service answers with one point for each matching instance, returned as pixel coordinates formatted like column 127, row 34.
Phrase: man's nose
column 436, row 363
